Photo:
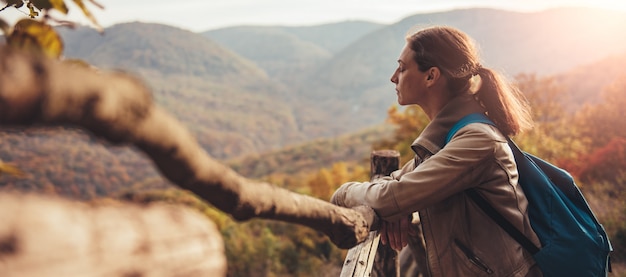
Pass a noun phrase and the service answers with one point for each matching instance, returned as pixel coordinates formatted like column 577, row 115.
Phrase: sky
column 203, row 15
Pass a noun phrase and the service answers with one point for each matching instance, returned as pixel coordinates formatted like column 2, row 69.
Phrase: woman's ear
column 432, row 75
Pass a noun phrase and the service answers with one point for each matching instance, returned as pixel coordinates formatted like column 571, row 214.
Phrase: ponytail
column 504, row 102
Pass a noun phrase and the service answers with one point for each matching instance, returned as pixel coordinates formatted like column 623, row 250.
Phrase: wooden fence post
column 371, row 258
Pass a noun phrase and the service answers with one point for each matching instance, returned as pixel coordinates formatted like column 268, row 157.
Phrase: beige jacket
column 460, row 239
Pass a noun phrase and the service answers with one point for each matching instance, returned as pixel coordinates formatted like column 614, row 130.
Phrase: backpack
column 573, row 243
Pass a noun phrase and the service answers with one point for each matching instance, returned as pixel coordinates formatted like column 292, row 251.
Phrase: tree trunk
column 119, row 108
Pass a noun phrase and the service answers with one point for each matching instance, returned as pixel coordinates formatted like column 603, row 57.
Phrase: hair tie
column 475, row 84
column 477, row 69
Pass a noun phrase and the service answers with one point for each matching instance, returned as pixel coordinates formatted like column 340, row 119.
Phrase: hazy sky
column 202, row 15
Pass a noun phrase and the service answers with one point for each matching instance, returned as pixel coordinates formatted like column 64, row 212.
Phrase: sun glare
column 615, row 5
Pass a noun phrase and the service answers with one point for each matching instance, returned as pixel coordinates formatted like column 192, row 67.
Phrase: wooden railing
column 372, row 258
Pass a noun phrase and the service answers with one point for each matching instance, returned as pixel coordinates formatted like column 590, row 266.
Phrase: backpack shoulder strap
column 505, row 224
column 470, row 118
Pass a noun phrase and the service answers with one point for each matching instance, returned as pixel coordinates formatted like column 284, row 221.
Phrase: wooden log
column 372, row 258
column 43, row 236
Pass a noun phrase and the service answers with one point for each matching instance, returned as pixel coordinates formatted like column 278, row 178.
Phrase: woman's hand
column 396, row 233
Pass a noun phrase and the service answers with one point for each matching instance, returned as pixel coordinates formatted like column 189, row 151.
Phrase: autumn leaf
column 59, row 5
column 38, row 36
column 33, row 13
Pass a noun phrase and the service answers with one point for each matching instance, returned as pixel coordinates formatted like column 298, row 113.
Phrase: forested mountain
column 225, row 99
column 288, row 54
column 583, row 83
column 312, row 155
column 68, row 162
column 140, row 47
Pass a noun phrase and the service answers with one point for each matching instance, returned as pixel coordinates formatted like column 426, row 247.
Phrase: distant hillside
column 289, row 53
column 68, row 162
column 585, row 83
column 313, row 155
column 281, row 54
column 141, row 47
column 228, row 101
column 334, row 36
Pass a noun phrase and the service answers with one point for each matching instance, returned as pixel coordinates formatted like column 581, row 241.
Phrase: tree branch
column 119, row 107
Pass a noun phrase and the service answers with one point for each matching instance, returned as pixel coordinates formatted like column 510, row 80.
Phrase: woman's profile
column 439, row 70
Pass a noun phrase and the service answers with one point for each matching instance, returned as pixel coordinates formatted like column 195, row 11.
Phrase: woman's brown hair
column 455, row 54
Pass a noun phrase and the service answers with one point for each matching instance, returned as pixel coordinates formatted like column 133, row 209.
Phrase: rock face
column 44, row 236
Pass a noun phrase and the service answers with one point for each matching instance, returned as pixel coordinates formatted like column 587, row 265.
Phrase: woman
column 439, row 70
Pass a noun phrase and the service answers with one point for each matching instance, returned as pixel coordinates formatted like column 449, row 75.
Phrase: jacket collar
column 434, row 134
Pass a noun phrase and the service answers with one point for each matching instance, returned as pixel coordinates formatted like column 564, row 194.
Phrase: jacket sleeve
column 453, row 169
column 339, row 196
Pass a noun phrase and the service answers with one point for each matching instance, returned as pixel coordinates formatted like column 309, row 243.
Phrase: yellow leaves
column 59, row 5
column 35, row 7
column 323, row 183
column 6, row 168
column 48, row 4
column 40, row 5
column 36, row 36
column 32, row 10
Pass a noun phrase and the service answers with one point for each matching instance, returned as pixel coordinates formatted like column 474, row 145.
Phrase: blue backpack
column 573, row 243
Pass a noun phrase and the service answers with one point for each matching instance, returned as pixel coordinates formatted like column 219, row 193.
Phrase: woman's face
column 409, row 80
